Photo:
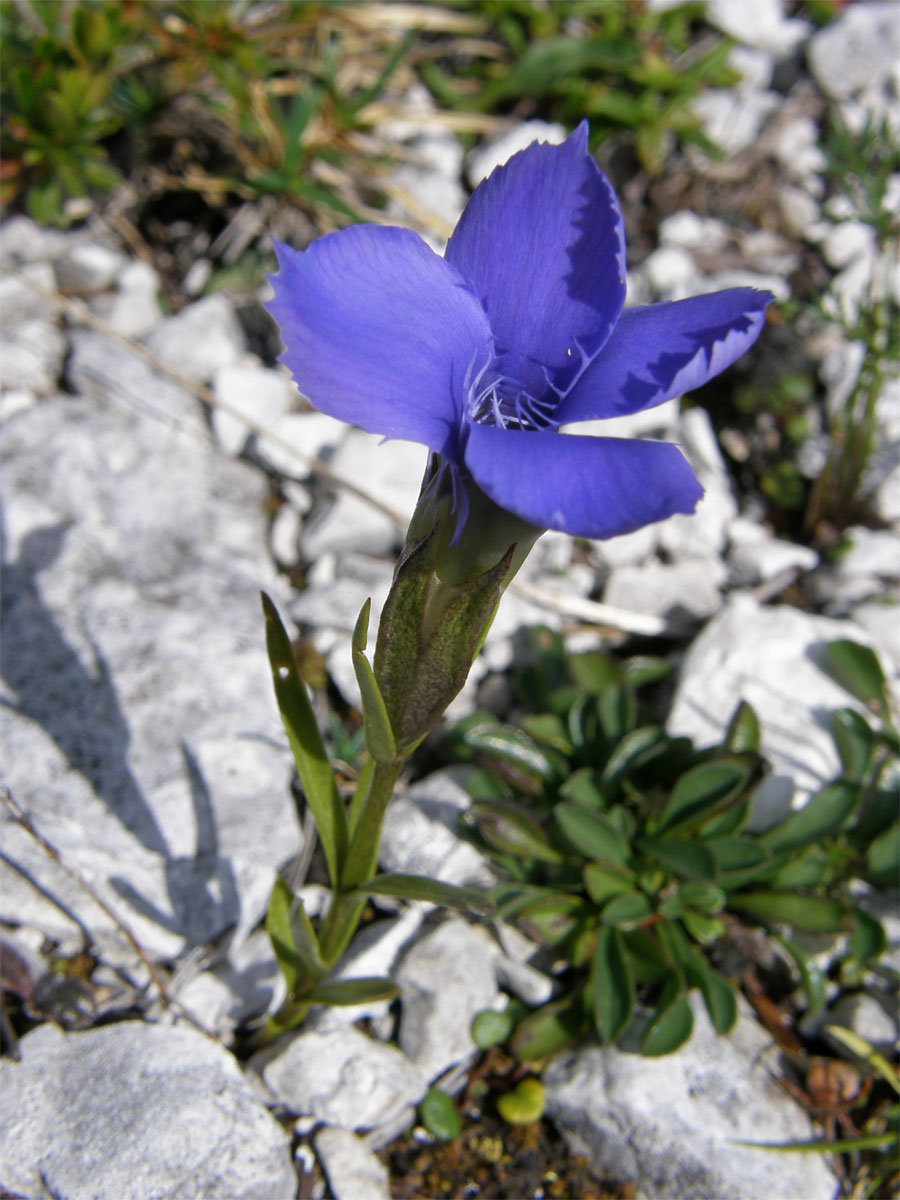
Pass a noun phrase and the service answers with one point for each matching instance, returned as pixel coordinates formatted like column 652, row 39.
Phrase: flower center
column 506, row 404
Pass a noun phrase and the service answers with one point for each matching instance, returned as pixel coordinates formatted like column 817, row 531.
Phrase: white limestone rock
column 354, row 1172
column 201, row 339
column 87, row 267
column 251, row 396
column 343, row 1078
column 498, row 150
column 754, row 562
column 297, row 437
column 858, row 50
column 132, row 1110
column 32, row 353
column 133, row 308
column 671, row 1125
column 446, row 978
column 702, row 534
column 761, row 24
column 768, row 657
column 688, row 589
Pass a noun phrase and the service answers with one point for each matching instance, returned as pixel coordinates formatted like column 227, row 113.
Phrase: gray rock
column 857, row 51
column 141, row 734
column 250, row 396
column 670, row 1125
column 129, row 1111
column 87, row 267
column 872, row 1016
column 447, row 977
column 24, row 241
column 133, row 309
column 19, row 301
column 761, row 24
column 768, row 657
column 244, row 986
column 354, row 1172
column 343, row 1078
column 872, row 552
column 296, row 438
column 688, row 589
column 420, row 837
column 702, row 535
column 755, row 562
column 201, row 339
column 33, row 352
column 734, row 120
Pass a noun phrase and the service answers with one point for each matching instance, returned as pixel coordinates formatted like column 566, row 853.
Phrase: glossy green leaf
column 439, row 1115
column 581, row 788
column 524, row 1104
column 743, row 729
column 551, row 1028
column 633, row 751
column 738, row 857
column 554, row 917
column 812, row 980
column 550, row 730
column 728, row 823
column 593, row 671
column 603, row 881
column 703, row 791
column 672, row 1022
column 313, row 767
column 855, row 741
column 857, row 669
column 591, row 834
column 514, row 748
column 432, row 891
column 823, row 814
column 626, row 911
column 293, row 938
column 809, row 869
column 883, row 855
column 616, row 711
column 868, row 939
column 612, row 986
column 508, row 828
column 491, row 1028
column 812, row 914
column 702, row 927
column 347, row 992
column 704, row 897
column 379, row 735
column 686, row 859
column 646, row 959
column 641, row 669
column 718, row 995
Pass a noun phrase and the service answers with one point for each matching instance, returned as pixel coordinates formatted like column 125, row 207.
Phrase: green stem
column 346, row 909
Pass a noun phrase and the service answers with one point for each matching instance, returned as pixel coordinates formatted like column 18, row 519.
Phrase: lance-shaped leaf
column 823, row 814
column 813, row 914
column 857, row 669
column 591, row 834
column 743, row 729
column 293, row 939
column 686, row 859
column 612, row 985
column 508, row 828
column 553, row 1027
column 718, row 995
column 627, row 911
column 379, row 735
column 432, row 891
column 313, row 767
column 672, row 1022
column 738, row 859
column 855, row 741
column 603, row 881
column 346, row 992
column 704, row 790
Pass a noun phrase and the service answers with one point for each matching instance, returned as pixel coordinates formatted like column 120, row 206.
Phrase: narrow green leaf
column 612, row 986
column 703, row 791
column 524, row 1104
column 883, row 855
column 855, row 741
column 857, row 669
column 646, row 959
column 705, row 897
column 672, row 1022
column 626, row 911
column 859, row 1046
column 633, row 751
column 738, row 857
column 509, row 829
column 293, row 939
column 591, row 834
column 718, row 995
column 868, row 939
column 306, row 744
column 553, row 1027
column 603, row 881
column 866, row 1141
column 432, row 891
column 379, row 735
column 809, row 870
column 686, row 859
column 811, row 978
column 616, row 710
column 728, row 823
column 346, row 992
column 813, row 914
column 824, row 813
column 555, row 917
column 439, row 1115
column 743, row 729
column 581, row 788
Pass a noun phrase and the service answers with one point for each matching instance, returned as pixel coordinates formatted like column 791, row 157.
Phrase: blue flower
column 519, row 329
